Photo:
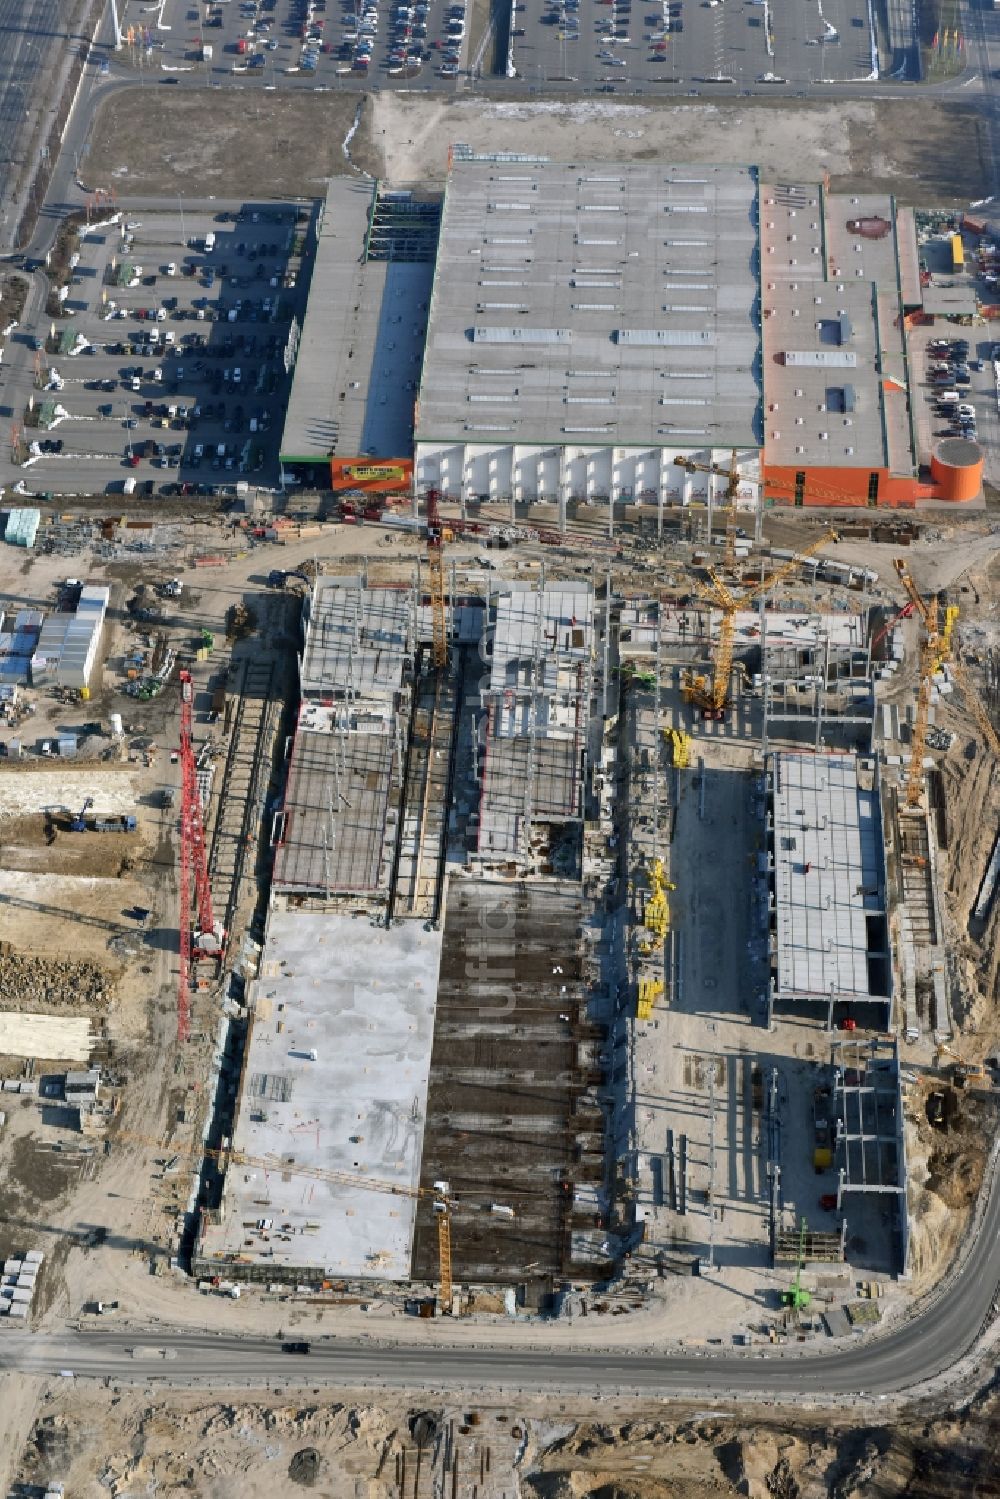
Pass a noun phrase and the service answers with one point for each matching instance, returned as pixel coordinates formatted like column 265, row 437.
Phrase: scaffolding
column 869, row 1138
column 403, row 228
column 538, row 704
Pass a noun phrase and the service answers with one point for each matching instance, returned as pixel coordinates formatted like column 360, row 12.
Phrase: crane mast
column 732, row 478
column 435, row 565
column 440, row 1194
column 929, row 654
column 714, row 700
column 193, row 862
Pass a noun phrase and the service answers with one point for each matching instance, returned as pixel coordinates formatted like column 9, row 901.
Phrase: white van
column 948, row 395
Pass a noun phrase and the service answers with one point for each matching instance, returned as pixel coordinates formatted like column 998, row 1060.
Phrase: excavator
column 964, row 1071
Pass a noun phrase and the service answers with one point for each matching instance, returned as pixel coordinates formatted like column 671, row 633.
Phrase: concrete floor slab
column 335, row 1081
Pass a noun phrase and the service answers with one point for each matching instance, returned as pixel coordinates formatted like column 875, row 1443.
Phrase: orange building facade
column 955, row 478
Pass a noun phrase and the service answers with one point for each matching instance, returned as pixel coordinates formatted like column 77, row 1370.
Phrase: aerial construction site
column 528, row 881
column 556, row 930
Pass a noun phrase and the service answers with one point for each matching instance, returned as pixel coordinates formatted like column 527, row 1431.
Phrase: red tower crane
column 891, row 623
column 435, row 562
column 192, row 858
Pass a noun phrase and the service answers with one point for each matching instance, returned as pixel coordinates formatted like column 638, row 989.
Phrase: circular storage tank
column 957, row 468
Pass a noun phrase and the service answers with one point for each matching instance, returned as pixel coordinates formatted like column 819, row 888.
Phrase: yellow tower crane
column 936, row 650
column 713, row 700
column 439, row 1195
column 732, row 478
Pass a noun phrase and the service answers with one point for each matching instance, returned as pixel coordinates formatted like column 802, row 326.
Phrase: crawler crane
column 436, row 537
column 713, row 700
column 936, row 651
column 192, row 862
column 797, row 1298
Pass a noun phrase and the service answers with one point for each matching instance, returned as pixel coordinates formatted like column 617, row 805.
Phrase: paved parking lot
column 296, row 43
column 618, row 45
column 611, row 45
column 935, row 420
column 948, row 359
column 170, row 366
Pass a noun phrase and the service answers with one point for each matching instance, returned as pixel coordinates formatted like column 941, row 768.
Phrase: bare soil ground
column 13, row 295
column 894, row 144
column 121, row 1442
column 153, row 142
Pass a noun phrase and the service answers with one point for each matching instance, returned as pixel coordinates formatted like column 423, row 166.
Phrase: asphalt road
column 929, row 1343
column 30, row 32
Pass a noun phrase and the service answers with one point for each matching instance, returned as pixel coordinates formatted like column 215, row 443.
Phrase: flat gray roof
column 908, row 257
column 895, row 383
column 827, row 832
column 861, row 237
column 596, row 303
column 824, row 397
column 314, row 418
column 362, row 341
column 364, row 1002
column 951, row 301
column 835, row 376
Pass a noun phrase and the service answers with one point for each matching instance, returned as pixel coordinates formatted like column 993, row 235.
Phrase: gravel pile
column 50, row 985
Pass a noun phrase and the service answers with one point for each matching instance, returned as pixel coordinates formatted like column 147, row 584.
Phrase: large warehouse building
column 588, row 325
column 569, row 331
